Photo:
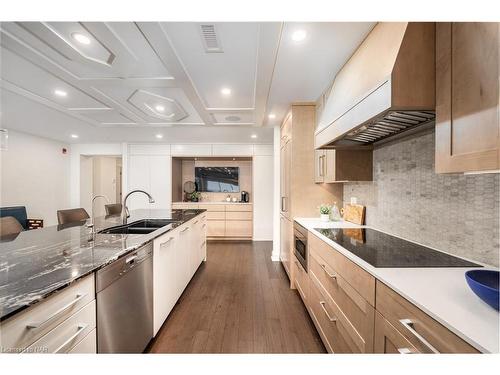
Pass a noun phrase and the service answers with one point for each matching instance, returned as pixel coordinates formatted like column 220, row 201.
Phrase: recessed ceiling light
column 272, row 116
column 299, row 35
column 159, row 136
column 160, row 108
column 60, row 93
column 225, row 91
column 253, row 136
column 80, row 38
column 74, row 135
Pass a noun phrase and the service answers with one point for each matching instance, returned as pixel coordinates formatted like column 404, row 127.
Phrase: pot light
column 60, row 93
column 225, row 91
column 160, row 108
column 74, row 136
column 299, row 35
column 272, row 116
column 159, row 136
column 253, row 136
column 80, row 38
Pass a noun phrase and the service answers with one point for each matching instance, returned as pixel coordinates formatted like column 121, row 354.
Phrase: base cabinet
column 285, row 243
column 176, row 257
column 388, row 340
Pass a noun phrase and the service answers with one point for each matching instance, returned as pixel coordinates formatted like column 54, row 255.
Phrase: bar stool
column 72, row 215
column 9, row 225
column 113, row 209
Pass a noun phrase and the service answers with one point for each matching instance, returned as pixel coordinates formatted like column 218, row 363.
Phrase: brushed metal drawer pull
column 322, row 304
column 196, row 222
column 203, row 244
column 406, row 351
column 298, row 265
column 204, row 225
column 81, row 328
column 54, row 315
column 331, row 275
column 409, row 325
column 185, row 229
column 166, row 242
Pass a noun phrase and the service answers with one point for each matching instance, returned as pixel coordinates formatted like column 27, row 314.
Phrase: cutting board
column 354, row 213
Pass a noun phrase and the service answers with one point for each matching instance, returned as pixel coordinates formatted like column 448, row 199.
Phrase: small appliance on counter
column 245, row 197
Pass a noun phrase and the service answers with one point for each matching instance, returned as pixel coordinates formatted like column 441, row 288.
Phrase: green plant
column 325, row 209
column 195, row 195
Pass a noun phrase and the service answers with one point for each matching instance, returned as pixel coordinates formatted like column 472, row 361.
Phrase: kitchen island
column 37, row 267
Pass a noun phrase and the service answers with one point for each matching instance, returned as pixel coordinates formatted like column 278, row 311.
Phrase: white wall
column 35, row 173
column 104, row 181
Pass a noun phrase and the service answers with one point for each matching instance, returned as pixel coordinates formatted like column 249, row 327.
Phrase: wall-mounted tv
column 217, row 179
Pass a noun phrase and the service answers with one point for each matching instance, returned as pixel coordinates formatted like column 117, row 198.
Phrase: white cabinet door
column 191, row 150
column 183, row 262
column 138, row 178
column 203, row 235
column 165, row 273
column 232, row 150
column 160, row 180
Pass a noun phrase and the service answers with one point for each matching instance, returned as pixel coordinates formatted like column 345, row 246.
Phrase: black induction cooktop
column 385, row 251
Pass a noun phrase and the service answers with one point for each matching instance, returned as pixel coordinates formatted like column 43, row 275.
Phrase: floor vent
column 210, row 38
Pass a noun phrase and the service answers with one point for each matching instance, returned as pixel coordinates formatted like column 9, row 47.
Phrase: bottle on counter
column 335, row 213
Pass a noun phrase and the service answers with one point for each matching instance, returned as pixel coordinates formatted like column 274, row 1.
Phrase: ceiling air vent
column 210, row 39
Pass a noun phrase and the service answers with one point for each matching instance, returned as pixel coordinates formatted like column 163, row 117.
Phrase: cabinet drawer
column 214, row 215
column 425, row 334
column 235, row 228
column 184, row 206
column 301, row 280
column 25, row 328
column 388, row 340
column 359, row 279
column 67, row 334
column 239, row 215
column 216, row 228
column 212, row 207
column 87, row 346
column 330, row 328
column 354, row 311
column 239, row 207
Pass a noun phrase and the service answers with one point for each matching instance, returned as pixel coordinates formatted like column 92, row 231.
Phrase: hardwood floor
column 239, row 301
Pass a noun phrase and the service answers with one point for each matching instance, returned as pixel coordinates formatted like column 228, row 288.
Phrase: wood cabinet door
column 467, row 94
column 319, row 166
column 329, row 166
column 285, row 243
column 216, row 228
column 388, row 340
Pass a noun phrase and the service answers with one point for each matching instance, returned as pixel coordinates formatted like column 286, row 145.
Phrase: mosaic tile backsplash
column 455, row 213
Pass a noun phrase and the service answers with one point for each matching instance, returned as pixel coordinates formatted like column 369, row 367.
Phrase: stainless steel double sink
column 143, row 226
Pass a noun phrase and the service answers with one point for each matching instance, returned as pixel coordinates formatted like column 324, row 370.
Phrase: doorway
column 100, row 175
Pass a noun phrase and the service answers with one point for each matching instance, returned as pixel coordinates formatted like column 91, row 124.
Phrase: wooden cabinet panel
column 239, row 207
column 285, row 243
column 359, row 279
column 286, row 160
column 355, row 312
column 184, row 206
column 319, row 166
column 467, row 97
column 216, row 228
column 426, row 334
column 216, row 215
column 343, row 165
column 239, row 228
column 388, row 340
column 301, row 280
column 212, row 207
column 331, row 329
column 239, row 216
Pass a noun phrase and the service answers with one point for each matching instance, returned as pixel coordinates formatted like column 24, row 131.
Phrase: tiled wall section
column 455, row 213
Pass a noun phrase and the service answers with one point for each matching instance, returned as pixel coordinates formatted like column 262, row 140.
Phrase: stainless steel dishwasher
column 125, row 303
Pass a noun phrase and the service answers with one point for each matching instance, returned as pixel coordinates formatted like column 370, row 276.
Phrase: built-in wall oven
column 300, row 244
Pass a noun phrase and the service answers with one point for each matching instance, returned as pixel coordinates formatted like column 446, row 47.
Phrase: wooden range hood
column 386, row 87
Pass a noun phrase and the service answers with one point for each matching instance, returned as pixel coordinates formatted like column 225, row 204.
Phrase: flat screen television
column 217, row 179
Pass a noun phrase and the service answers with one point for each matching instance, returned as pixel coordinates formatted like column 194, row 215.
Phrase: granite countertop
column 39, row 262
column 442, row 293
column 212, row 202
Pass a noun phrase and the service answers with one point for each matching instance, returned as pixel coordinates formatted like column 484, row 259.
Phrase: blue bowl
column 485, row 284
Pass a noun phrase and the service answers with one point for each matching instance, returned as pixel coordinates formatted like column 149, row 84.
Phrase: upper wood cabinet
column 342, row 165
column 467, row 97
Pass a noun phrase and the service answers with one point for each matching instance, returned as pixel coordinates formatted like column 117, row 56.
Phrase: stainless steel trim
column 409, row 325
column 167, row 241
column 55, row 314
column 81, row 328
column 185, row 229
column 131, row 259
column 322, row 304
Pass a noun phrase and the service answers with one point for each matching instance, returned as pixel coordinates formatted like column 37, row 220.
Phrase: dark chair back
column 18, row 212
column 113, row 209
column 72, row 215
column 9, row 225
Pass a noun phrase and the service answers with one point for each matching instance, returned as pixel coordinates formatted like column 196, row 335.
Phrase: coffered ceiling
column 103, row 78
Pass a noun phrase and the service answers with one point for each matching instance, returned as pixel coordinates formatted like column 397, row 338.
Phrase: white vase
column 324, row 217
